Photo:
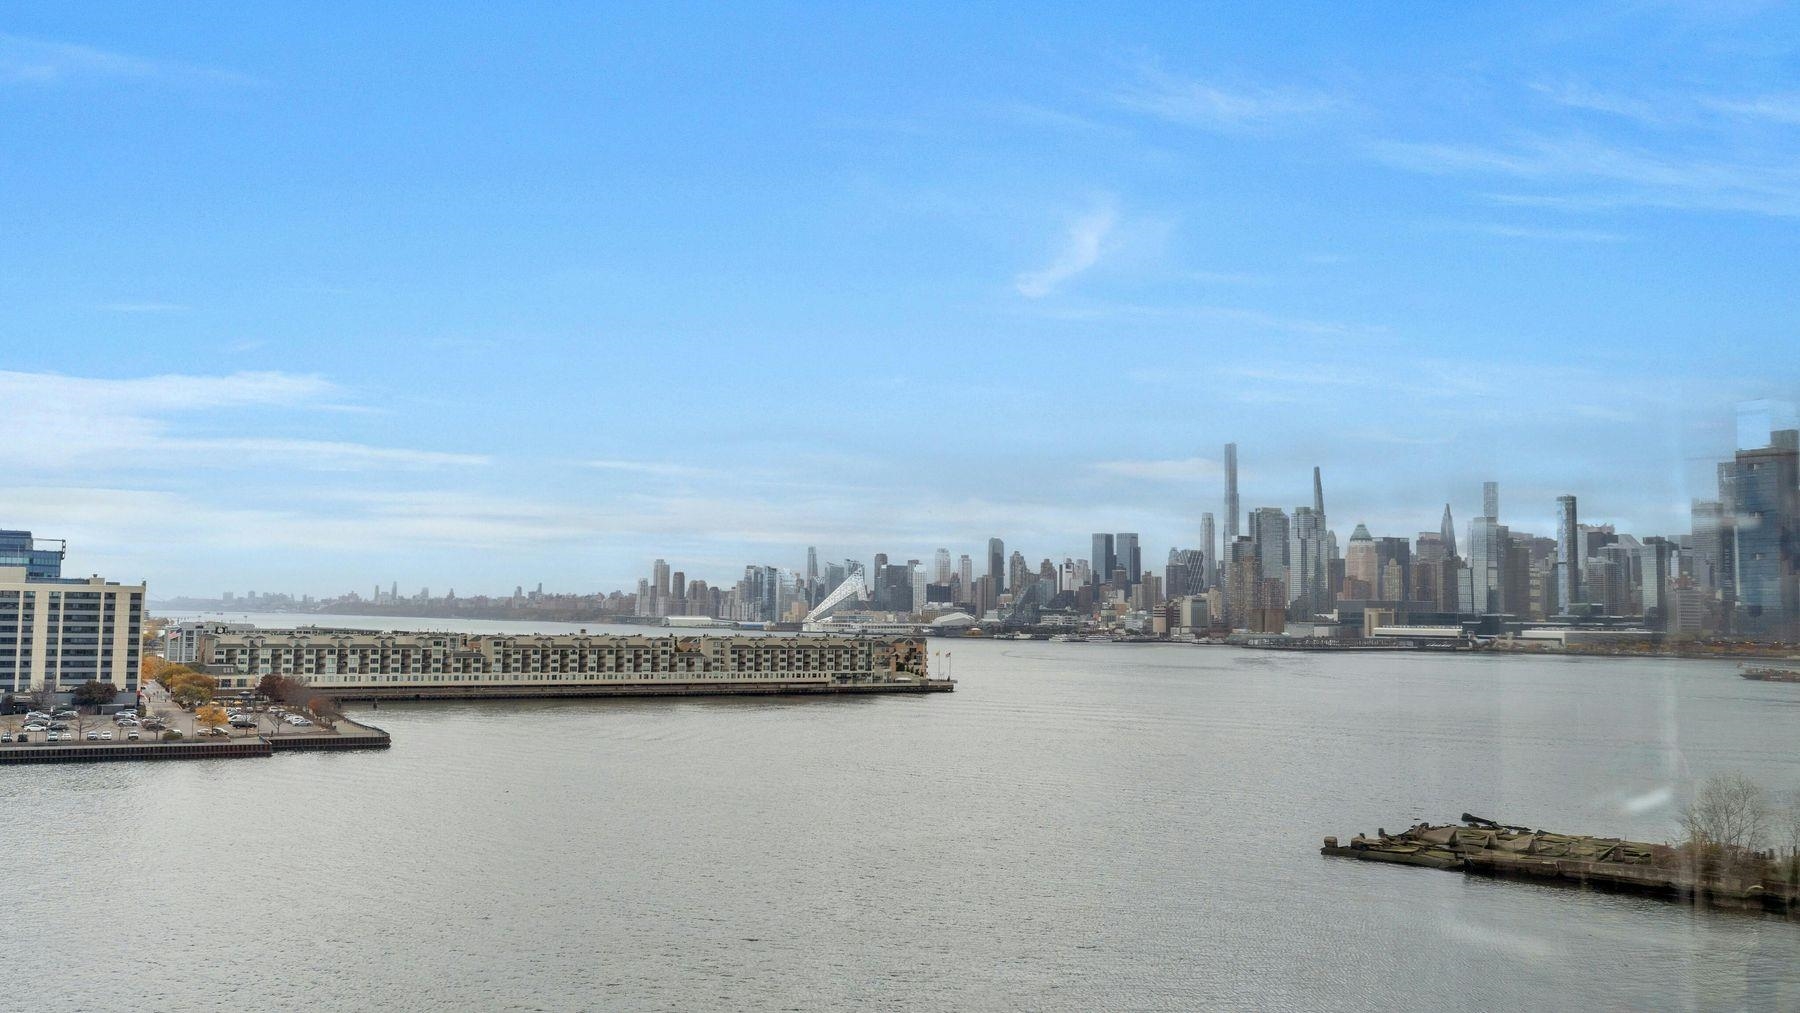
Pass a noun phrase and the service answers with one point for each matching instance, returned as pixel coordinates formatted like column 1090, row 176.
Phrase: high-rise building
column 1231, row 493
column 1185, row 574
column 965, row 575
column 67, row 631
column 1763, row 498
column 1447, row 532
column 1269, row 534
column 1712, row 541
column 812, row 564
column 40, row 558
column 940, row 567
column 1758, row 421
column 659, row 578
column 1018, row 573
column 1209, row 549
column 1362, row 567
column 1309, row 566
column 1429, row 548
column 1489, row 543
column 1318, row 494
column 1393, row 569
column 996, row 567
column 1130, row 557
column 1105, row 557
column 1568, row 558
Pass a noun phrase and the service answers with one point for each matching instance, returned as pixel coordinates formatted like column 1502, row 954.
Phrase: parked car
column 214, row 731
column 59, row 726
column 242, row 723
column 93, row 736
column 36, row 726
column 131, row 736
column 65, row 713
column 5, row 736
column 106, row 736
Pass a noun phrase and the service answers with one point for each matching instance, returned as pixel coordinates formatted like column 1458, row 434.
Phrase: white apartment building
column 59, row 632
column 347, row 659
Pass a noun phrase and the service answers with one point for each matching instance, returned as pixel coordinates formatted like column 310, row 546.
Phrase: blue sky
column 310, row 299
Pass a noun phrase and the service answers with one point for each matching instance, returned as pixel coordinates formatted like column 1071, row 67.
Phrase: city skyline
column 1501, row 245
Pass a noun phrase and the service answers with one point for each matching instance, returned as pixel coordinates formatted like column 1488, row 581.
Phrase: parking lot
column 158, row 709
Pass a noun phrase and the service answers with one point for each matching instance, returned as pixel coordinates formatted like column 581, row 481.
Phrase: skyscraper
column 1318, row 494
column 1269, row 534
column 996, row 567
column 1130, row 557
column 1209, row 550
column 812, row 563
column 1489, row 543
column 965, row 575
column 1362, row 570
column 1568, row 559
column 1447, row 532
column 1104, row 558
column 1231, row 493
column 1763, row 499
column 940, row 569
column 1309, row 569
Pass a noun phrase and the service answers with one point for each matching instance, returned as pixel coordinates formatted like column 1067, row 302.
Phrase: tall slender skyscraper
column 812, row 563
column 1318, row 495
column 1490, row 500
column 1447, row 531
column 1210, row 559
column 1568, row 558
column 997, row 563
column 1231, row 493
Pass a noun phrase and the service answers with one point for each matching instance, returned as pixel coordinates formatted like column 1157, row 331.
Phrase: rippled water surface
column 1077, row 827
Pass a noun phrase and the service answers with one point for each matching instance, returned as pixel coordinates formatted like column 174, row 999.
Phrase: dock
column 354, row 735
column 1482, row 847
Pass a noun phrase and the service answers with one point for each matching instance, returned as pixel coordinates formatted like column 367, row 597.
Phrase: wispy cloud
column 25, row 60
column 1556, row 235
column 68, row 423
column 1214, row 106
column 1611, row 175
column 1181, row 470
column 1080, row 250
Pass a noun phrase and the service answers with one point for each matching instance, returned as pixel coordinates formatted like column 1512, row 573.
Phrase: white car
column 36, row 726
column 106, row 736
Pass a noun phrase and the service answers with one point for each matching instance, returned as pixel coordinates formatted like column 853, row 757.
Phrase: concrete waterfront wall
column 526, row 691
column 361, row 737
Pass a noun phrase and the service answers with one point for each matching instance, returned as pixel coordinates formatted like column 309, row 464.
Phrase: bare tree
column 1727, row 821
column 1788, row 830
column 42, row 697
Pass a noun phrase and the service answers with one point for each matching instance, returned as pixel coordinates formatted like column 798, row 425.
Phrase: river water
column 1077, row 827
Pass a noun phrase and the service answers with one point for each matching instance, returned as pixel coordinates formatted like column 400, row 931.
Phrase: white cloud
column 26, row 60
column 1610, row 176
column 64, row 423
column 1215, row 107
column 1080, row 251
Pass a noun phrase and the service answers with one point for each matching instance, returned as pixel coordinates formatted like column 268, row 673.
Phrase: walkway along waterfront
column 355, row 736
